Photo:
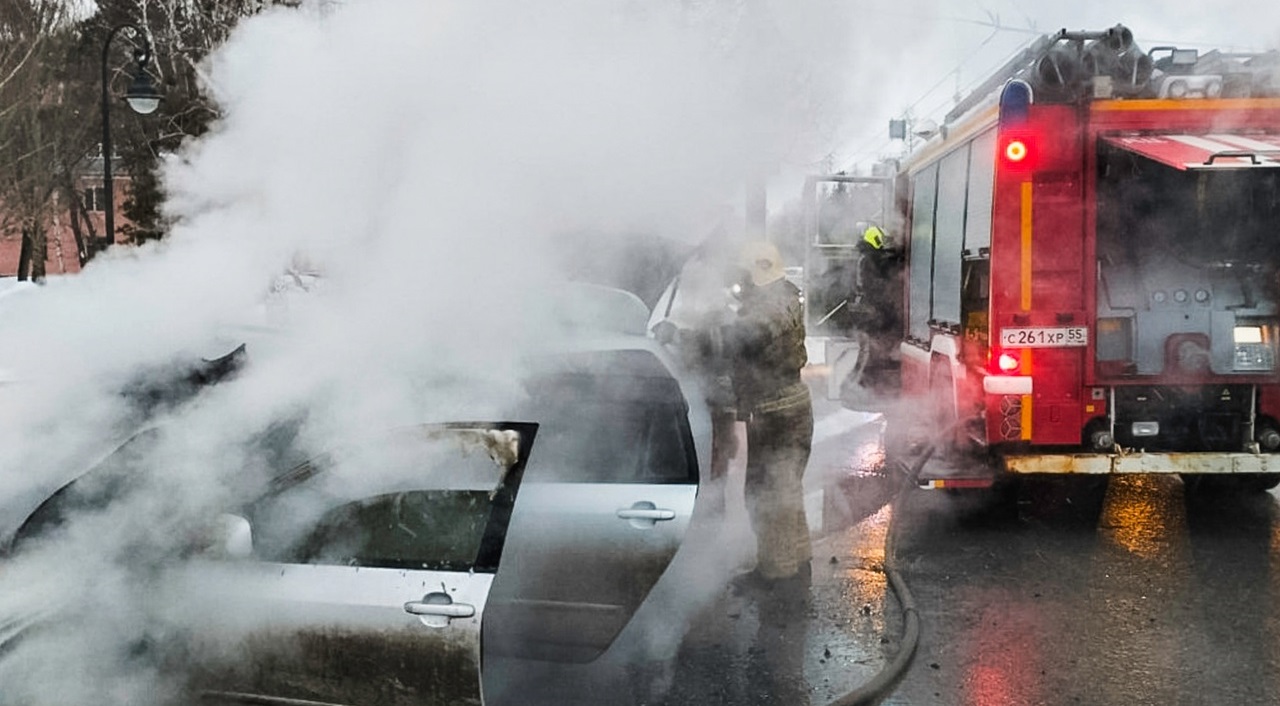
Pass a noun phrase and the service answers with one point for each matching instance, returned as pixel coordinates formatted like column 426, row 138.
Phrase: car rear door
column 370, row 576
column 609, row 494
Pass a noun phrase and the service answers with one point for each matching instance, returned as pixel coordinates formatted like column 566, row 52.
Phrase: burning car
column 437, row 563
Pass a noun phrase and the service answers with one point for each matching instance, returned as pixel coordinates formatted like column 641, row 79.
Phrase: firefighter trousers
column 778, row 444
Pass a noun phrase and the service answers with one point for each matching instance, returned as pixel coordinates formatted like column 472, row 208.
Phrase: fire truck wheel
column 1211, row 485
column 1257, row 482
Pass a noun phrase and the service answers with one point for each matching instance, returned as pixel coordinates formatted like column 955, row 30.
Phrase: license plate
column 1046, row 337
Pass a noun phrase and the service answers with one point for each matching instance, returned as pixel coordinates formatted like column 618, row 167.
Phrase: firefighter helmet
column 762, row 260
column 874, row 237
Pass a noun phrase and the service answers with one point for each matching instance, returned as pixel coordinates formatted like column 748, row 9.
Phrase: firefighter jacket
column 766, row 346
column 878, row 306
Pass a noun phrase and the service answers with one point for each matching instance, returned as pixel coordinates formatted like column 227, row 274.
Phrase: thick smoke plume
column 437, row 164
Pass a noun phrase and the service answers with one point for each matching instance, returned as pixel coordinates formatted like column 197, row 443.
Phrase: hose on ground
column 879, row 686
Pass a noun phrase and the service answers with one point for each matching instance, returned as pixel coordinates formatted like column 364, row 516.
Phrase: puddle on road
column 1142, row 516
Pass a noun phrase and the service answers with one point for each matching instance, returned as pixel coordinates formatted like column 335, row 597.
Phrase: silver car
column 494, row 562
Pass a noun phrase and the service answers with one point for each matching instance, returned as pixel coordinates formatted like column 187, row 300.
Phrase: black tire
column 1237, row 484
column 1257, row 482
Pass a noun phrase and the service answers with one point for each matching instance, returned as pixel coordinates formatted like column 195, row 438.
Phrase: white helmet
column 762, row 259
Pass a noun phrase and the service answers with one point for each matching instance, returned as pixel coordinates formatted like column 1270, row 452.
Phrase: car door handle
column 655, row 514
column 453, row 610
column 644, row 514
column 435, row 610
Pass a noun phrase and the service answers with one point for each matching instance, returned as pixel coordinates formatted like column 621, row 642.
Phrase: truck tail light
column 1015, row 151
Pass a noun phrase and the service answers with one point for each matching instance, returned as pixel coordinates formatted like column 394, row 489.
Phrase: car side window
column 437, row 530
column 666, row 447
column 610, row 425
column 415, row 499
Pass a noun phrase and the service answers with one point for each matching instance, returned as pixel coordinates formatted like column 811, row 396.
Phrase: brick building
column 62, row 255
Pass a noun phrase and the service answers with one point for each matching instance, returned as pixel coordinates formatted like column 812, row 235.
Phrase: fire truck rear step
column 944, row 473
column 1139, row 462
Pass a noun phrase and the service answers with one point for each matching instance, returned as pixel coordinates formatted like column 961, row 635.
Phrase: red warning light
column 1007, row 363
column 1016, row 151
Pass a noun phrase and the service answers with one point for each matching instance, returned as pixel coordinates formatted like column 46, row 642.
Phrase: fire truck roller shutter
column 1186, row 256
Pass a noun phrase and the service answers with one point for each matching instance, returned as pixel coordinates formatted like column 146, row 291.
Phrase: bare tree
column 183, row 33
column 38, row 136
column 50, row 86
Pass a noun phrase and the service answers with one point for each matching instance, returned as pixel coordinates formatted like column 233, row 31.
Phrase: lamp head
column 142, row 95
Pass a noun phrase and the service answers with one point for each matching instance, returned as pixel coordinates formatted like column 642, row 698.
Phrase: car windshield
column 115, row 477
column 132, row 467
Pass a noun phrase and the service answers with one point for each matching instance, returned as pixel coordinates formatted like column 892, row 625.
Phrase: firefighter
column 762, row 348
column 877, row 306
column 765, row 344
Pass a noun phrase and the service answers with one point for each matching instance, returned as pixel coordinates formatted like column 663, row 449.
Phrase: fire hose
column 880, row 685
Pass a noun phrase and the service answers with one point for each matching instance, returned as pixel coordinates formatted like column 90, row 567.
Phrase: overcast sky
column 916, row 54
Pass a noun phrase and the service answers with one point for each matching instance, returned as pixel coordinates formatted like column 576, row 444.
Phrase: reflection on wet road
column 1076, row 595
column 804, row 643
column 1071, row 590
column 799, row 643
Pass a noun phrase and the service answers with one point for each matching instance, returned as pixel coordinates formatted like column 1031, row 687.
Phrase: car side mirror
column 231, row 537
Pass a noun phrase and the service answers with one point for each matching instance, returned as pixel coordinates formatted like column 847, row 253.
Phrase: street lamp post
column 142, row 98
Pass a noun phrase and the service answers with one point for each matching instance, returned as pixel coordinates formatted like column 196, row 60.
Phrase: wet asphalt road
column 803, row 642
column 1135, row 593
column 1064, row 592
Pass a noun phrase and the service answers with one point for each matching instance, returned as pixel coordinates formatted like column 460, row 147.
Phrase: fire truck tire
column 1257, row 482
column 1269, row 483
column 1210, row 485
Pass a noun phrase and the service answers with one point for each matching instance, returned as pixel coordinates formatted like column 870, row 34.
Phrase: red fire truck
column 1092, row 267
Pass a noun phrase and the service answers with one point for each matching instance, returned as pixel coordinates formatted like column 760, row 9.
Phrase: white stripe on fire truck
column 1210, row 146
column 1246, row 142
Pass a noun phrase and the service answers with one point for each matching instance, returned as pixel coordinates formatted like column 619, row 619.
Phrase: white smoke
column 427, row 158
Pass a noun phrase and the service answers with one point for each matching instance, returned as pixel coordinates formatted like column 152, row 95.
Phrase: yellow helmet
column 762, row 259
column 874, row 237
